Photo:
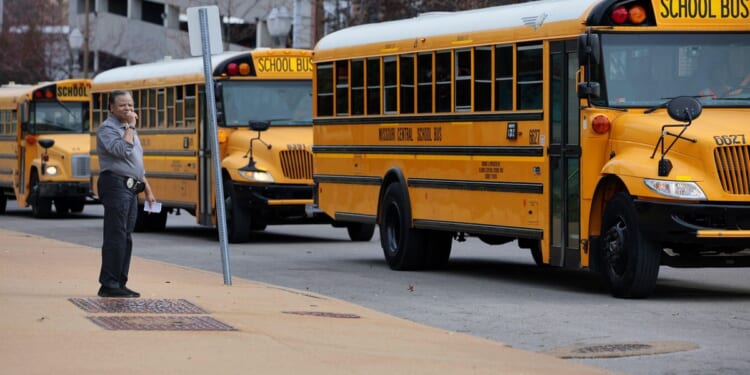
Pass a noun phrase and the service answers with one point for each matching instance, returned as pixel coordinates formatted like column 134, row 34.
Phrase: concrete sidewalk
column 46, row 326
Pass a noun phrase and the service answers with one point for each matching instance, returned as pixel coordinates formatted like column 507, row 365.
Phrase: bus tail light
column 245, row 69
column 619, row 15
column 233, row 69
column 601, row 124
column 637, row 15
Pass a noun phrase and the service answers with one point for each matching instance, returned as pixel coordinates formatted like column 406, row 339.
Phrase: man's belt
column 131, row 183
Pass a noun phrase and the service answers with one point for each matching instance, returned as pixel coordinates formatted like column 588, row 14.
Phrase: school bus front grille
column 81, row 166
column 297, row 164
column 733, row 165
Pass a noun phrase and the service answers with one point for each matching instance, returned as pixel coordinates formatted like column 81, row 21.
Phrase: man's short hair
column 114, row 94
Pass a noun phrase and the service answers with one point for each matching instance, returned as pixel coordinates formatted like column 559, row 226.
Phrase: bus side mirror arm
column 588, row 55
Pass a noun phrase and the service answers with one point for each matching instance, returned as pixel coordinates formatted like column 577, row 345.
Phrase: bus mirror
column 259, row 126
column 24, row 109
column 588, row 90
column 219, row 91
column 588, row 49
column 684, row 108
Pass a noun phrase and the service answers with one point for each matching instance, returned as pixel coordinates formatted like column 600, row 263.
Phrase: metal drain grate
column 137, row 305
column 323, row 314
column 622, row 349
column 160, row 323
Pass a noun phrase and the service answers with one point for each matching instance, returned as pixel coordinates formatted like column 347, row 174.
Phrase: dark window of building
column 118, row 7
column 152, row 12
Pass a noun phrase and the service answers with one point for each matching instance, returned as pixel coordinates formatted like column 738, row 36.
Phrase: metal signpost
column 207, row 19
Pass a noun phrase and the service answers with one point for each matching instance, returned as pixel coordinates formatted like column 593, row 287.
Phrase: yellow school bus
column 579, row 128
column 44, row 146
column 267, row 174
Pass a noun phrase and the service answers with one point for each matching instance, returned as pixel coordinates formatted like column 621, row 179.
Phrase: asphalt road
column 494, row 292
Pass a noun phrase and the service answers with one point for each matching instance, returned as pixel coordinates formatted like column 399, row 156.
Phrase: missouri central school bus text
column 608, row 135
column 44, row 146
column 264, row 113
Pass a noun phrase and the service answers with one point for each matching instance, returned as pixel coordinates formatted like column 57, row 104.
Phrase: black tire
column 403, row 246
column 629, row 260
column 62, row 206
column 360, row 232
column 438, row 249
column 40, row 207
column 238, row 219
column 3, row 202
column 77, row 205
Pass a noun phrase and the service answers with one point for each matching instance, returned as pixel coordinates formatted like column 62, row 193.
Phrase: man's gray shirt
column 115, row 153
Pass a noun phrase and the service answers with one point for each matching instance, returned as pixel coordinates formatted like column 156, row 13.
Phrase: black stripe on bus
column 508, row 187
column 357, row 218
column 495, row 230
column 7, row 137
column 433, row 150
column 163, row 175
column 169, row 153
column 6, row 171
column 459, row 117
column 353, row 180
column 7, row 156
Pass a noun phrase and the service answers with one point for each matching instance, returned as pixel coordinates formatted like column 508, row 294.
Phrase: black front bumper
column 64, row 189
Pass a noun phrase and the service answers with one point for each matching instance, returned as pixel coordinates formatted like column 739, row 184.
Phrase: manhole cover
column 137, row 305
column 323, row 314
column 621, row 349
column 160, row 323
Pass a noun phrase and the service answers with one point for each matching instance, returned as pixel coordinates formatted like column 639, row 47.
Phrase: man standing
column 122, row 176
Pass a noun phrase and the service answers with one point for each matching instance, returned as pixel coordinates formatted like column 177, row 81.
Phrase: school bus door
column 564, row 155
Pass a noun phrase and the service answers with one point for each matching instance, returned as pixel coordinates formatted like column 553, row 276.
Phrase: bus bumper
column 280, row 204
column 699, row 234
column 64, row 189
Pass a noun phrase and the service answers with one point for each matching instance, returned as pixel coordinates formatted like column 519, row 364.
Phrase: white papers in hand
column 154, row 208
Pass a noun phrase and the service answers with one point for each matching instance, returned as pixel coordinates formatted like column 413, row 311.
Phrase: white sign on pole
column 214, row 30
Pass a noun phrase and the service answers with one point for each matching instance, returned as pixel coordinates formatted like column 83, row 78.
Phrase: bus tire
column 40, row 207
column 438, row 249
column 3, row 202
column 238, row 219
column 629, row 259
column 360, row 232
column 62, row 206
column 403, row 245
column 77, row 205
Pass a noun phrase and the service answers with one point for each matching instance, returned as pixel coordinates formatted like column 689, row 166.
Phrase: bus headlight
column 50, row 170
column 257, row 176
column 676, row 189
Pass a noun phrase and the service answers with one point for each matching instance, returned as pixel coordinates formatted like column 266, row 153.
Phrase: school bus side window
column 503, row 78
column 482, row 79
column 373, row 86
column 529, row 77
column 358, row 87
column 179, row 107
column 342, row 88
column 325, row 90
column 406, row 66
column 390, row 78
column 190, row 111
column 463, row 80
column 424, row 83
column 443, row 81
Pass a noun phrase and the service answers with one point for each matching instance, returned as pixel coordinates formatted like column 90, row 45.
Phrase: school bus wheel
column 238, row 219
column 360, row 232
column 40, row 207
column 403, row 245
column 629, row 260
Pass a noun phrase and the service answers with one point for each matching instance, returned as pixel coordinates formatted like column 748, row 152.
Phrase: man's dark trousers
column 120, row 210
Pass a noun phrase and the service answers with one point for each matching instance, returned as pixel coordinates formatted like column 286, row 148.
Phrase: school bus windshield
column 278, row 102
column 646, row 69
column 60, row 117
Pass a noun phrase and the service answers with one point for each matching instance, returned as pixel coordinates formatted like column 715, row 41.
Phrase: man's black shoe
column 131, row 293
column 115, row 293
